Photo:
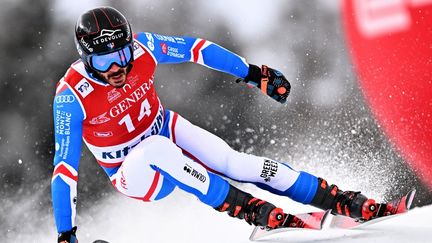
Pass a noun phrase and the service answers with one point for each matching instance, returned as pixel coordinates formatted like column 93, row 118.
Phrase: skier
column 108, row 99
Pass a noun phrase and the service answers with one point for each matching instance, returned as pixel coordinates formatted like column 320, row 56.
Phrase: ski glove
column 68, row 236
column 270, row 81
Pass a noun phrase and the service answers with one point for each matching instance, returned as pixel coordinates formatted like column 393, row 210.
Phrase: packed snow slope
column 181, row 218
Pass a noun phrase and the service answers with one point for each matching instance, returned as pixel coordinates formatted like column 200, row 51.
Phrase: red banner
column 390, row 42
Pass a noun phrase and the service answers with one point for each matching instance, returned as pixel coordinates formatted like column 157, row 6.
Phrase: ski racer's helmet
column 103, row 36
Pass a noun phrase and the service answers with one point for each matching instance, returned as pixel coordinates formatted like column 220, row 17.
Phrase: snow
column 192, row 221
column 182, row 218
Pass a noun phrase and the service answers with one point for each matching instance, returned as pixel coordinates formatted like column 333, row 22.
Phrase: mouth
column 117, row 77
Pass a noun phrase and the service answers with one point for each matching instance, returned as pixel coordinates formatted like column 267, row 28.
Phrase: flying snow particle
column 249, row 130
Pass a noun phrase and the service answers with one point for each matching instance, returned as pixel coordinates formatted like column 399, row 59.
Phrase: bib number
column 145, row 110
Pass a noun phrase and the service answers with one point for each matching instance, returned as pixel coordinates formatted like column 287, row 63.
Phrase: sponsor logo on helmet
column 84, row 87
column 86, row 45
column 78, row 47
column 65, row 99
column 111, row 45
column 107, row 33
column 128, row 34
column 107, row 36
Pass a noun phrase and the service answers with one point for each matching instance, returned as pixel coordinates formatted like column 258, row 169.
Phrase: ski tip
column 100, row 241
column 324, row 218
column 410, row 198
column 260, row 232
column 254, row 233
column 309, row 221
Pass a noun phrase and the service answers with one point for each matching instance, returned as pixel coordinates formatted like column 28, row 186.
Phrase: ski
column 100, row 241
column 401, row 206
column 311, row 221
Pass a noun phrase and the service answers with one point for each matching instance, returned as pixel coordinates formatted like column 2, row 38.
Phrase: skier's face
column 116, row 76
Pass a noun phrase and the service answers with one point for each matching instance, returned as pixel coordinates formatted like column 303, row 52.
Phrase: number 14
column 144, row 111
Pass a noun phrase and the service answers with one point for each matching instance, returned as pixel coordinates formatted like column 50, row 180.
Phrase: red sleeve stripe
column 174, row 121
column 196, row 50
column 63, row 170
column 61, row 87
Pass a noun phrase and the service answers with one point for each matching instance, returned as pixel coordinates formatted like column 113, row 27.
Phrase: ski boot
column 348, row 203
column 396, row 206
column 254, row 211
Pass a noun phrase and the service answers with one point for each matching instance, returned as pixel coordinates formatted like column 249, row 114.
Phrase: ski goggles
column 103, row 62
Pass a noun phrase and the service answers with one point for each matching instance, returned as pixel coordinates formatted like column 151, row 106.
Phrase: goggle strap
column 123, row 57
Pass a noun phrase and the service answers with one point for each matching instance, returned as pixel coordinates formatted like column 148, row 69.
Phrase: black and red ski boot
column 242, row 205
column 348, row 203
column 397, row 206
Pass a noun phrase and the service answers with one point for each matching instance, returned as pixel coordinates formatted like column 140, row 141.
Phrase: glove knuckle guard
column 270, row 81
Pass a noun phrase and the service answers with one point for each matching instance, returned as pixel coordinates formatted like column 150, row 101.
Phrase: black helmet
column 101, row 31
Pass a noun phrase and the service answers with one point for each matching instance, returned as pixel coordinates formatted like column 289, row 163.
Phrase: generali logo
column 134, row 97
